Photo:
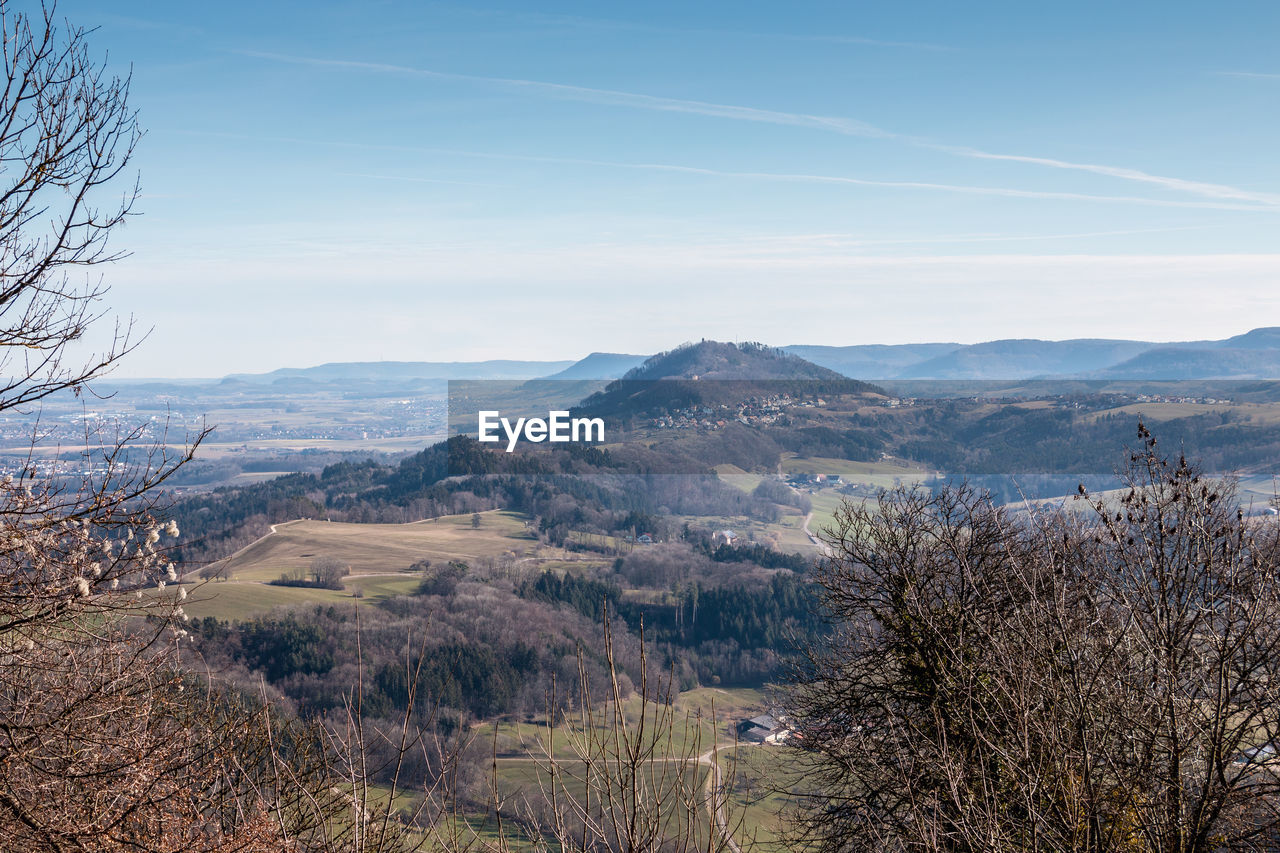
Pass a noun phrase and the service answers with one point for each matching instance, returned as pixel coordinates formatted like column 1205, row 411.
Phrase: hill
column 716, row 360
column 600, row 365
column 1253, row 355
column 1165, row 363
column 711, row 374
column 1263, row 338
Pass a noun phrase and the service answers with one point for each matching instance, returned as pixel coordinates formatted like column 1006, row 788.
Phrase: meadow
column 381, row 557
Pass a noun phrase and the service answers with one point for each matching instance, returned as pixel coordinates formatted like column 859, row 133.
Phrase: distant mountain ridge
column 399, row 370
column 1024, row 359
column 601, row 365
column 871, row 359
column 1252, row 355
column 1193, row 363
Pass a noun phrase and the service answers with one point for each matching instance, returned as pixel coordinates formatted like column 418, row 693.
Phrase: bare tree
column 1047, row 680
column 328, row 572
column 619, row 773
column 67, row 132
column 647, row 780
column 105, row 744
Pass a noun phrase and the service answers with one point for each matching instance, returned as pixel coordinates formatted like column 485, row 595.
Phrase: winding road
column 715, row 793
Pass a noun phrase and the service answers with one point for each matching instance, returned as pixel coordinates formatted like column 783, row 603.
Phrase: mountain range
column 401, row 370
column 1253, row 355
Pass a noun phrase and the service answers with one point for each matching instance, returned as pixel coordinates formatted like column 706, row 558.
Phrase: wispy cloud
column 954, row 188
column 784, row 177
column 848, row 127
column 837, row 241
column 1202, row 188
column 835, row 124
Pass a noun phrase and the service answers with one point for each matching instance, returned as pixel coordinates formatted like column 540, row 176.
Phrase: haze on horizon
column 441, row 181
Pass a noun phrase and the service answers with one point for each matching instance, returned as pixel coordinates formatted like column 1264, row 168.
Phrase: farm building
column 763, row 729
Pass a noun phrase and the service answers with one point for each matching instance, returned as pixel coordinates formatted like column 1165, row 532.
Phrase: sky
column 420, row 181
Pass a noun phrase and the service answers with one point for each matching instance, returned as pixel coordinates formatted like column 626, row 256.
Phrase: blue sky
column 451, row 181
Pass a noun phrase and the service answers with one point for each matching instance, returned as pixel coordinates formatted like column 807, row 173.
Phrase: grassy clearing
column 1171, row 411
column 247, row 477
column 375, row 548
column 884, row 474
column 234, row 601
column 736, row 477
column 238, row 600
column 703, row 718
column 518, row 741
column 572, row 567
column 519, row 785
column 791, row 536
column 600, row 540
column 825, row 503
column 761, row 778
column 867, row 478
column 380, row 556
column 786, row 534
column 1259, row 491
column 729, row 703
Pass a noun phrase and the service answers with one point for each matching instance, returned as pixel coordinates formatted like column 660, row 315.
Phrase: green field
column 884, row 474
column 825, row 503
column 786, row 534
column 736, row 477
column 1263, row 414
column 572, row 566
column 397, row 444
column 698, row 705
column 378, row 548
column 380, row 556
column 703, row 718
column 516, row 767
column 859, row 481
column 759, row 780
column 237, row 600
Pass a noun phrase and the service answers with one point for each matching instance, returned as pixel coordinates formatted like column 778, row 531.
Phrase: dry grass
column 1257, row 414
column 380, row 556
column 379, row 548
column 738, row 478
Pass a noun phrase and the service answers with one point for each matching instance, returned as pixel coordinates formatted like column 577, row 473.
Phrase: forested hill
column 715, row 360
column 714, row 374
column 568, row 487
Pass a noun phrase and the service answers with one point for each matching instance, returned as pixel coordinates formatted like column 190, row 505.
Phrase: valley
column 681, row 550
